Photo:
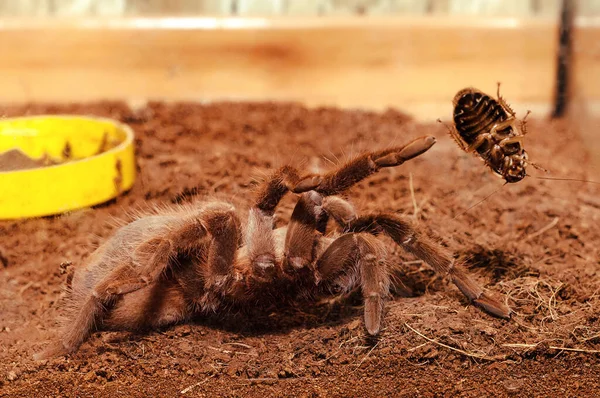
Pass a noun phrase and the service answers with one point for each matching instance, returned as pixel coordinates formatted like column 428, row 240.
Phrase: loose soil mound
column 535, row 242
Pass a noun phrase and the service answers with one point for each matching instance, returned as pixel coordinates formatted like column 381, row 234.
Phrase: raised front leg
column 358, row 169
column 307, row 218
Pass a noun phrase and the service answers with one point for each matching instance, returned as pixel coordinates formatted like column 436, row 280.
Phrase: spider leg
column 308, row 216
column 340, row 209
column 154, row 255
column 279, row 183
column 309, row 219
column 259, row 238
column 357, row 258
column 215, row 228
column 214, row 233
column 216, row 223
column 418, row 244
column 259, row 235
column 146, row 264
column 124, row 279
column 370, row 163
column 300, row 239
column 224, row 228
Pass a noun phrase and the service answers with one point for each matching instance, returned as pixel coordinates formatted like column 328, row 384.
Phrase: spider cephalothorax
column 168, row 267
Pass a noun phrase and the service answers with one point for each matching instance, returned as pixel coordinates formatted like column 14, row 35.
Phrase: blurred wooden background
column 409, row 54
column 514, row 8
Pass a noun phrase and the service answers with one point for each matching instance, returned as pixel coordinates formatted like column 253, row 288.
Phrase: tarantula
column 166, row 268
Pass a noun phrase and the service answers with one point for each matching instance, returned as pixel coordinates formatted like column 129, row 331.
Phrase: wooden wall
column 409, row 54
column 88, row 8
column 416, row 64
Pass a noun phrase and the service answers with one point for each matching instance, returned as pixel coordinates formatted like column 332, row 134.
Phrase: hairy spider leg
column 404, row 234
column 301, row 235
column 361, row 167
column 307, row 218
column 357, row 259
column 148, row 262
column 259, row 236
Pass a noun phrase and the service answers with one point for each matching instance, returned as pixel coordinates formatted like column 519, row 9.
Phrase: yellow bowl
column 94, row 162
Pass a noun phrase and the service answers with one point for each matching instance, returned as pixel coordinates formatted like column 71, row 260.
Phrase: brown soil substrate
column 535, row 242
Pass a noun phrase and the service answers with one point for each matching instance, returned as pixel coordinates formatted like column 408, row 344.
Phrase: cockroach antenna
column 564, row 179
column 480, row 202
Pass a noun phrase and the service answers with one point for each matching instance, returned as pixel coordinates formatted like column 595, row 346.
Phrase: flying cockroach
column 489, row 127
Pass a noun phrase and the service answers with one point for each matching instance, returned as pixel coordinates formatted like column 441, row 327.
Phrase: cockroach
column 489, row 127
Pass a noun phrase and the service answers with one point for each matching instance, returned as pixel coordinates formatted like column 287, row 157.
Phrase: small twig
column 240, row 345
column 232, row 352
column 417, row 347
column 552, row 347
column 368, row 353
column 551, row 300
column 218, row 349
column 469, row 354
column 25, row 287
column 590, row 338
column 190, row 388
column 541, row 231
column 412, row 195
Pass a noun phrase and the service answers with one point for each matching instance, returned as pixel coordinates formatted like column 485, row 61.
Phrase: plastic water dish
column 55, row 164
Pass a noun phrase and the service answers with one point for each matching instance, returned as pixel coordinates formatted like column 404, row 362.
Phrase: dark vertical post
column 564, row 57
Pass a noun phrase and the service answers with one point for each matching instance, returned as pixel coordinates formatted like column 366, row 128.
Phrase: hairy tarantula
column 166, row 268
